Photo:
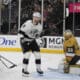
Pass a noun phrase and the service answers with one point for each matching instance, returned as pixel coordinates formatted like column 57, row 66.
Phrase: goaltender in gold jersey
column 71, row 49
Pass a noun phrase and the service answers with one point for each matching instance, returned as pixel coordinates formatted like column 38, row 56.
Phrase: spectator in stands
column 14, row 29
column 54, row 8
column 53, row 29
column 5, row 28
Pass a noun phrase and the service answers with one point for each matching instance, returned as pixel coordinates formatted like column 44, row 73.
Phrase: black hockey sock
column 25, row 65
column 38, row 64
column 38, row 61
column 26, row 61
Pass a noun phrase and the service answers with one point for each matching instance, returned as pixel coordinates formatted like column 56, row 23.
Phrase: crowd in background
column 9, row 18
column 28, row 7
column 52, row 15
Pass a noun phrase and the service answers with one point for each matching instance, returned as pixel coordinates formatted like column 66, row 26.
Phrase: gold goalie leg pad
column 74, row 69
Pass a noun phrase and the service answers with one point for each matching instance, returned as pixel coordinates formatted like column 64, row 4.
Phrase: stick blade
column 12, row 66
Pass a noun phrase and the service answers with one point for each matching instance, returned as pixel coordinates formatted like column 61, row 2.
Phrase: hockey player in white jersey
column 31, row 30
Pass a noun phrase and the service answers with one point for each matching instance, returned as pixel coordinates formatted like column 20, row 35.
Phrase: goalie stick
column 9, row 67
column 55, row 70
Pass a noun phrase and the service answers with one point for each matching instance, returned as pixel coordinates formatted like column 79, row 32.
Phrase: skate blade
column 40, row 74
column 25, row 75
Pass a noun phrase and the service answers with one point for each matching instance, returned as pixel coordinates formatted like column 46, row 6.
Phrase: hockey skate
column 40, row 72
column 25, row 73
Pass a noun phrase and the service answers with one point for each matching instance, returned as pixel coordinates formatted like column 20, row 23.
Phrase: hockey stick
column 7, row 65
column 55, row 70
column 12, row 66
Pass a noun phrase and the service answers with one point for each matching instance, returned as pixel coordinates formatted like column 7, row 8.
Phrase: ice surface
column 48, row 60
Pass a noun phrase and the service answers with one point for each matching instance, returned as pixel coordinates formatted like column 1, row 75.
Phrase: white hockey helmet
column 36, row 14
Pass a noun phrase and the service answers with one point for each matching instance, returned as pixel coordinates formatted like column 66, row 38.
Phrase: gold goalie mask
column 67, row 34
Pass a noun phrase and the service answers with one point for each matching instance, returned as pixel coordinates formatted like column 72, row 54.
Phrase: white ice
column 48, row 60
